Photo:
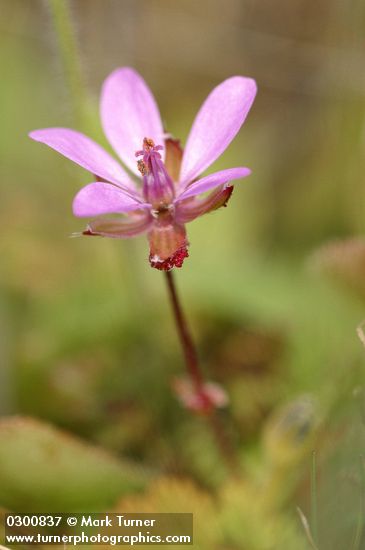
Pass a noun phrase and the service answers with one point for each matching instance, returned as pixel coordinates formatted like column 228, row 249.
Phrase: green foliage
column 42, row 468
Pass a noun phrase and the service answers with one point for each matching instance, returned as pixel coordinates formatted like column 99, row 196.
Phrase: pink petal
column 213, row 180
column 216, row 124
column 85, row 152
column 103, row 198
column 129, row 113
column 120, row 228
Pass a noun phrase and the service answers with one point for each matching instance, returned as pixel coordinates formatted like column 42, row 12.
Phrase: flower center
column 158, row 187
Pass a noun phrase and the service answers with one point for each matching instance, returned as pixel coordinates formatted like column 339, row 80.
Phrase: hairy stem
column 60, row 11
column 192, row 364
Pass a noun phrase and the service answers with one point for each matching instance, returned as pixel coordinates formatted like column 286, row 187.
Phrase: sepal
column 120, row 228
column 192, row 208
column 168, row 245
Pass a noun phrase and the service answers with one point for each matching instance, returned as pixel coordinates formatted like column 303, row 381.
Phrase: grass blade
column 360, row 521
column 307, row 529
column 314, row 525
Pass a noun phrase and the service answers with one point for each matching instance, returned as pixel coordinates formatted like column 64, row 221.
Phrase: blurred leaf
column 199, row 454
column 248, row 520
column 172, row 495
column 43, row 468
column 290, row 431
column 344, row 262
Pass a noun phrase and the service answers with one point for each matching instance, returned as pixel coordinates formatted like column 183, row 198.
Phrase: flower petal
column 189, row 209
column 120, row 228
column 100, row 198
column 85, row 152
column 129, row 113
column 213, row 180
column 216, row 124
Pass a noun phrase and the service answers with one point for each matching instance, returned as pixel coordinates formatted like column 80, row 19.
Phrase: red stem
column 186, row 340
column 192, row 364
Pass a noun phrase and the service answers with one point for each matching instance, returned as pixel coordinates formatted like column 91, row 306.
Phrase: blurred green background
column 274, row 285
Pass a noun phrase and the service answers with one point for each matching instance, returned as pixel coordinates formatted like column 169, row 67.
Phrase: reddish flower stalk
column 186, row 341
column 206, row 397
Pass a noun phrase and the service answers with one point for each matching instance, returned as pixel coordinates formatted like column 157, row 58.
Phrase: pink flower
column 168, row 197
column 210, row 395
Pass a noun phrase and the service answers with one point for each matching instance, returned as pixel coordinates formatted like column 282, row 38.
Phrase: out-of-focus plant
column 53, row 470
column 344, row 262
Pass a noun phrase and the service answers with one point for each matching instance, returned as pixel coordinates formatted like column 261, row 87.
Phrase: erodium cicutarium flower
column 161, row 192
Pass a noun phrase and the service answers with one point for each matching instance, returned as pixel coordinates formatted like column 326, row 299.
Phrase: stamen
column 148, row 144
column 142, row 167
column 158, row 188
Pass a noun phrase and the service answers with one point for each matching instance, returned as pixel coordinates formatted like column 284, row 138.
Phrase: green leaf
column 45, row 469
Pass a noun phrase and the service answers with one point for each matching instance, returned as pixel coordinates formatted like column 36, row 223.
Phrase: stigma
column 158, row 187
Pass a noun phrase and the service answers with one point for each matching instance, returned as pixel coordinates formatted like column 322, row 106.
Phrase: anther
column 142, row 167
column 148, row 144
